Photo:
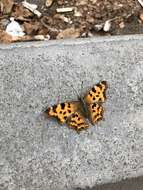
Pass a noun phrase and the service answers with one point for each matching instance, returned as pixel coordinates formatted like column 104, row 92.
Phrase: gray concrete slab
column 34, row 75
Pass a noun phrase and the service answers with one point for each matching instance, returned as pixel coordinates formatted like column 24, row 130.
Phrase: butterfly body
column 76, row 113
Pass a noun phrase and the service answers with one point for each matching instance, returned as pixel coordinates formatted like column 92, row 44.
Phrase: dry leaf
column 20, row 11
column 4, row 37
column 28, row 38
column 7, row 6
column 49, row 3
column 69, row 33
column 62, row 17
column 3, row 23
column 31, row 28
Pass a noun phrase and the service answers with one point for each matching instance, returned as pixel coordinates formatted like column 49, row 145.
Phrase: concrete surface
column 37, row 153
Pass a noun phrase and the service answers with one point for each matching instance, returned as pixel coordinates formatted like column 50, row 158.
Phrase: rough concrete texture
column 38, row 153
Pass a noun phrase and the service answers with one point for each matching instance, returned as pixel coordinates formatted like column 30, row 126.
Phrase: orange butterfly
column 75, row 113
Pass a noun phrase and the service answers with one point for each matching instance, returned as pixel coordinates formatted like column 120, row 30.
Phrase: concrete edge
column 132, row 184
column 69, row 42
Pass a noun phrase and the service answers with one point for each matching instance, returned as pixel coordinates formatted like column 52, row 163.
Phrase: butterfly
column 76, row 113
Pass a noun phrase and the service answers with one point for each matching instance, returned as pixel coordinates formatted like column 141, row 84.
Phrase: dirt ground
column 86, row 18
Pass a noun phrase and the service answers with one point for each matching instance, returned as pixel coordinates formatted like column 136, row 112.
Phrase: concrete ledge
column 36, row 153
column 132, row 184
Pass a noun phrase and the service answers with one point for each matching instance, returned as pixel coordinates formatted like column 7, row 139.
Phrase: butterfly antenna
column 81, row 86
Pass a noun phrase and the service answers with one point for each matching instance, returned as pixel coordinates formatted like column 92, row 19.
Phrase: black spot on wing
column 98, row 108
column 104, row 82
column 80, row 124
column 93, row 90
column 62, row 106
column 65, row 117
column 93, row 106
column 75, row 115
column 54, row 108
column 73, row 121
column 99, row 85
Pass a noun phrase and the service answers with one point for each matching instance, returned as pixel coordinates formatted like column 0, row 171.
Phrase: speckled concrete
column 37, row 153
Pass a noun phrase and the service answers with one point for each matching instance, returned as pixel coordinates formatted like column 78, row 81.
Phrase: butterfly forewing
column 97, row 93
column 63, row 110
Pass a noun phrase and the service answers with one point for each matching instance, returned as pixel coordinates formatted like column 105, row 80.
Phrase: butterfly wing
column 77, row 121
column 97, row 93
column 93, row 100
column 69, row 113
column 63, row 110
column 95, row 112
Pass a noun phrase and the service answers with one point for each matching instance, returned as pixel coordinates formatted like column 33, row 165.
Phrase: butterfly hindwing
column 77, row 121
column 97, row 93
column 95, row 112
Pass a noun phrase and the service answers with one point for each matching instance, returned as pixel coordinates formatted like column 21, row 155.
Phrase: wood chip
column 69, row 33
column 141, row 16
column 107, row 26
column 122, row 25
column 141, row 2
column 77, row 13
column 64, row 9
column 32, row 8
column 49, row 3
column 98, row 27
